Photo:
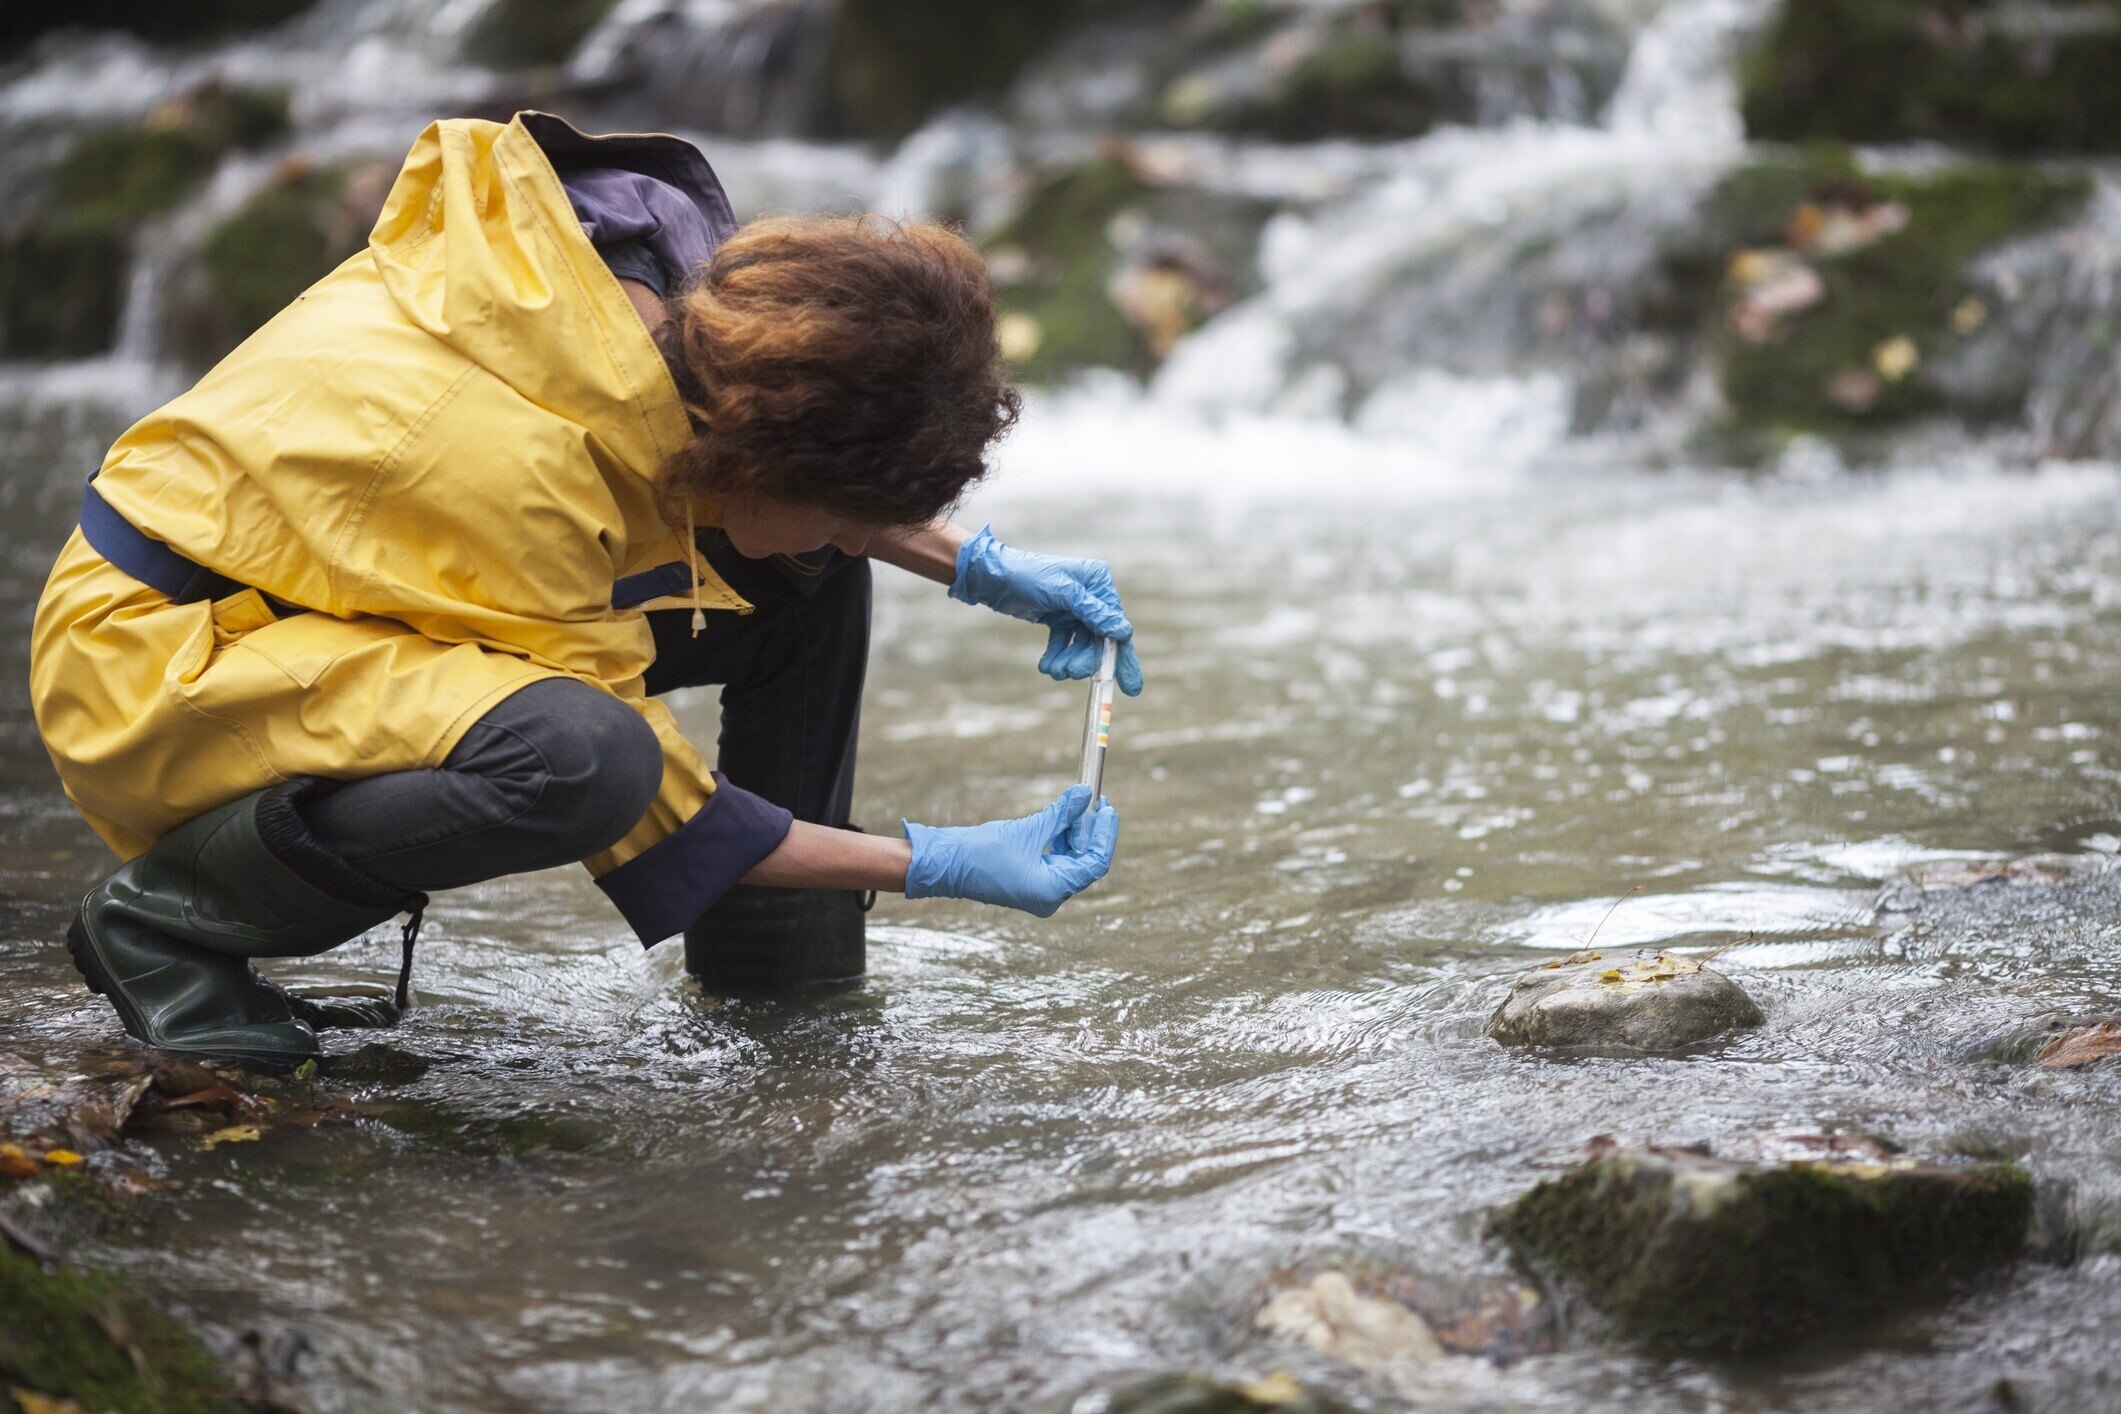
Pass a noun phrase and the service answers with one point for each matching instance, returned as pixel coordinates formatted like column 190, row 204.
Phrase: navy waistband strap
column 150, row 561
column 632, row 589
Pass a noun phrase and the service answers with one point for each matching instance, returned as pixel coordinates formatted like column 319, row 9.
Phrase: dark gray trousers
column 560, row 771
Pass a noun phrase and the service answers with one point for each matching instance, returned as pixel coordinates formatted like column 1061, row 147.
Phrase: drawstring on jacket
column 692, row 563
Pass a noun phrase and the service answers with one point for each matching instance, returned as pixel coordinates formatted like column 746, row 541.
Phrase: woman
column 381, row 605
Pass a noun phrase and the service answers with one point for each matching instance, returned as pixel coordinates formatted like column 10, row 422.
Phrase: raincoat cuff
column 663, row 889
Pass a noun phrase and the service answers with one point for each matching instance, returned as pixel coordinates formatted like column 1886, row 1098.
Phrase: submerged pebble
column 1687, row 1248
column 1335, row 1319
column 1652, row 1001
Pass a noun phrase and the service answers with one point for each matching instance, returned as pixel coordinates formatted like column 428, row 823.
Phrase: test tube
column 1097, row 724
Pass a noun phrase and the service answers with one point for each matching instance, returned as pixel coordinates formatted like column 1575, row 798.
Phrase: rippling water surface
column 1413, row 723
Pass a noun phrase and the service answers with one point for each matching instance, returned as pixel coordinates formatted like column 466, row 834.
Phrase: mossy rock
column 1356, row 85
column 260, row 258
column 513, row 34
column 514, row 1135
column 84, row 1337
column 1904, row 290
column 161, row 21
column 1686, row 1250
column 64, row 268
column 1055, row 257
column 1650, row 1001
column 894, row 62
column 2002, row 76
column 280, row 243
column 1349, row 77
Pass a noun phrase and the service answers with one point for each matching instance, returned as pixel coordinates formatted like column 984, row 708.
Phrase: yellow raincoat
column 443, row 451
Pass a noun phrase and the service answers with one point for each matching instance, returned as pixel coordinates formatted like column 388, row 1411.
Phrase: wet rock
column 177, row 1078
column 1394, row 69
column 1647, row 1001
column 893, row 64
column 190, row 22
column 1689, row 1249
column 66, row 257
column 1983, row 73
column 374, row 1064
column 1191, row 1394
column 524, row 33
column 2025, row 871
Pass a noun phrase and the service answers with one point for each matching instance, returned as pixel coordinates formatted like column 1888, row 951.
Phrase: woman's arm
column 929, row 551
column 820, row 857
column 1036, row 862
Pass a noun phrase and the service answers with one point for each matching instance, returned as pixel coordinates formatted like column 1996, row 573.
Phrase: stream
column 1430, row 700
column 1398, row 742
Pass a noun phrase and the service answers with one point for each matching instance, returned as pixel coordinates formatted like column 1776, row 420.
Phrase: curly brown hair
column 848, row 363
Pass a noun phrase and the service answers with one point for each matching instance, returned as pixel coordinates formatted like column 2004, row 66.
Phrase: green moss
column 64, row 269
column 83, row 1336
column 1055, row 258
column 522, row 33
column 1062, row 229
column 1976, row 72
column 1226, row 24
column 1905, row 285
column 281, row 243
column 1349, row 80
column 1783, row 1251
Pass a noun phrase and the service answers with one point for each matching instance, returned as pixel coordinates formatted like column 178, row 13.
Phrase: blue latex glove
column 1036, row 863
column 1074, row 599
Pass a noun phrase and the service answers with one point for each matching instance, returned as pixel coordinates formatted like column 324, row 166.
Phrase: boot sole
column 89, row 963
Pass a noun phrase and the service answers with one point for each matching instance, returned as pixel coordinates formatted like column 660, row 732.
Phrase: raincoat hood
column 479, row 246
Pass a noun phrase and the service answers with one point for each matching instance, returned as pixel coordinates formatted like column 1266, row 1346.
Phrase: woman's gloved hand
column 1036, row 863
column 1074, row 599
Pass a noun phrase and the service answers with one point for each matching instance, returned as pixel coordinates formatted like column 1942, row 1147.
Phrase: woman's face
column 759, row 526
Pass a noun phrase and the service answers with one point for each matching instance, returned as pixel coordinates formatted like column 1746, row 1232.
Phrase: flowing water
column 1428, row 692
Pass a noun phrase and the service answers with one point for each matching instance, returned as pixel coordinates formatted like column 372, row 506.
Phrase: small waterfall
column 1678, row 83
column 1492, row 276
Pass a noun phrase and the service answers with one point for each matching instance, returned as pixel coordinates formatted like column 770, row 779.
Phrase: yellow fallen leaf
column 234, row 1134
column 15, row 1162
column 1019, row 335
column 61, row 1158
column 1895, row 358
column 31, row 1402
column 1279, row 1387
column 1611, row 974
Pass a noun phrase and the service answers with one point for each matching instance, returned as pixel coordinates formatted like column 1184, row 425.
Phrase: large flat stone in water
column 1684, row 1248
column 1645, row 1001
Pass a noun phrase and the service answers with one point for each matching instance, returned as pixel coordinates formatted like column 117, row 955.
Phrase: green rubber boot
column 168, row 937
column 761, row 941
